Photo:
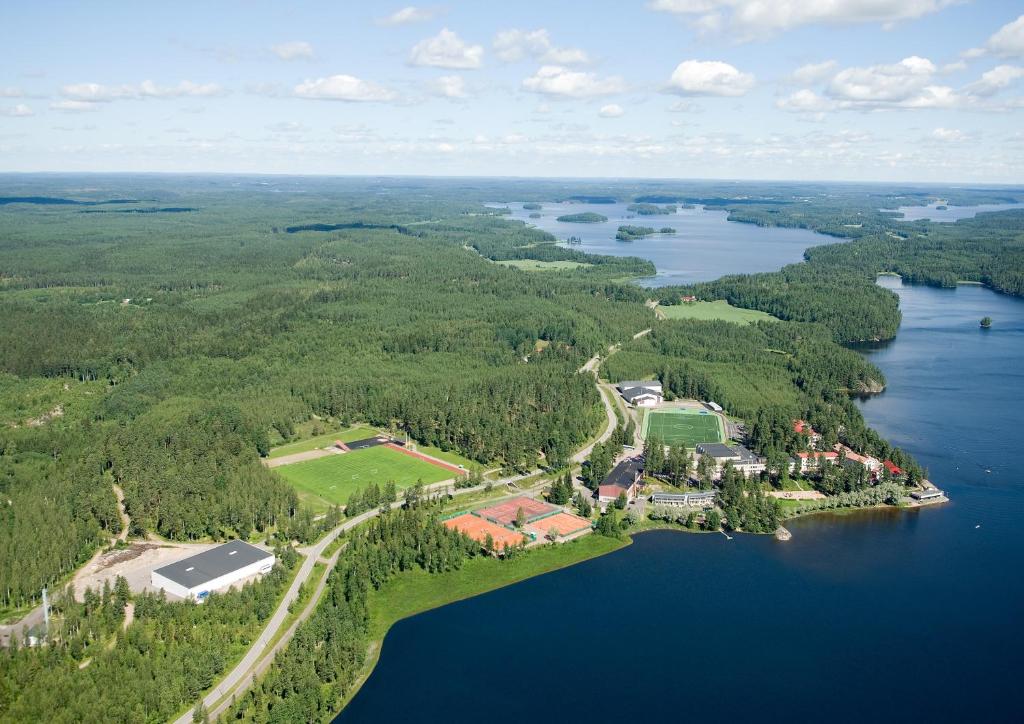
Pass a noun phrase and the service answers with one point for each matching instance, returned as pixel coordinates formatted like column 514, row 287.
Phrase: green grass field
column 332, row 479
column 719, row 309
column 313, row 443
column 684, row 426
column 535, row 265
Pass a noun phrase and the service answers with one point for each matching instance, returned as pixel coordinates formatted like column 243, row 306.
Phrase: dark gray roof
column 746, row 454
column 214, row 563
column 648, row 384
column 631, row 393
column 624, row 474
column 716, row 450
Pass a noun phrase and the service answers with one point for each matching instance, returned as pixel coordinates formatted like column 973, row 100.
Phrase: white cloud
column 19, row 110
column 972, row 53
column 450, row 86
column 287, row 127
column 74, row 106
column 755, row 18
column 612, row 110
column 556, row 80
column 11, row 92
column 880, row 85
column 1008, row 41
column 343, row 88
column 292, row 50
column 513, row 45
column 709, row 78
column 409, row 15
column 97, row 93
column 805, row 101
column 954, row 67
column 949, row 134
column 813, row 72
column 446, row 50
column 995, row 80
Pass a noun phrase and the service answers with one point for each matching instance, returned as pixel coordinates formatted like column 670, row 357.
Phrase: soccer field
column 689, row 427
column 334, row 478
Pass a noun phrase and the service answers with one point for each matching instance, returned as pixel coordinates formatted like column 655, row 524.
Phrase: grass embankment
column 358, row 432
column 417, row 591
column 719, row 309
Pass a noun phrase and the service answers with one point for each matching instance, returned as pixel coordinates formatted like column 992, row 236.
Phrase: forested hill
column 160, row 352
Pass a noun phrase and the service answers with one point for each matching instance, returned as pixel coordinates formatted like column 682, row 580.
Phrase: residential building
column 624, row 478
column 741, row 458
column 801, row 427
column 697, row 499
column 895, row 470
column 197, row 576
column 806, row 462
column 851, row 459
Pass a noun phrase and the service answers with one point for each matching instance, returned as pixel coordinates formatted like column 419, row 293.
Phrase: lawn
column 719, row 309
column 535, row 265
column 313, row 443
column 333, row 478
column 685, row 426
column 448, row 456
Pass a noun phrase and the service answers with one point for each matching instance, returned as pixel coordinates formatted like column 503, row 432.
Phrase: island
column 586, row 217
column 532, row 206
column 651, row 209
column 986, row 322
column 629, row 233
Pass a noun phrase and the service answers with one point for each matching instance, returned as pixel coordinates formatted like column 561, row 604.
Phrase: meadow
column 332, row 479
column 718, row 309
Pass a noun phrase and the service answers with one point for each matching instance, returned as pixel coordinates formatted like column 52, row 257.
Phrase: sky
column 863, row 90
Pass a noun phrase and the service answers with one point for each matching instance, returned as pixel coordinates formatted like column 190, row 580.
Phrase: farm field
column 689, row 427
column 535, row 265
column 719, row 309
column 358, row 432
column 332, row 479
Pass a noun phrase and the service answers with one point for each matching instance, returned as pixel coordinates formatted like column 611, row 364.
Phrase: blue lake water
column 704, row 244
column 950, row 213
column 878, row 616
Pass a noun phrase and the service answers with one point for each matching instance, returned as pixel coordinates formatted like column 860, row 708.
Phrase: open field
column 358, row 432
column 535, row 265
column 448, row 456
column 683, row 425
column 334, row 478
column 718, row 309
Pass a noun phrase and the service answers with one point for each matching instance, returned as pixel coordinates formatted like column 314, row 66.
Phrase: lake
column 879, row 616
column 704, row 244
column 951, row 213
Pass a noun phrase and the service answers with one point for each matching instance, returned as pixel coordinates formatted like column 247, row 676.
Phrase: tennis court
column 562, row 524
column 688, row 426
column 478, row 529
column 504, row 513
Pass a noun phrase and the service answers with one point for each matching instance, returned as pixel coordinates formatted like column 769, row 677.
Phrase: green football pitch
column 333, row 478
column 689, row 427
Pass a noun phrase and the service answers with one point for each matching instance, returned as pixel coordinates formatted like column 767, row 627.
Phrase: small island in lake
column 629, row 233
column 534, row 215
column 587, row 217
column 986, row 322
column 532, row 206
column 651, row 209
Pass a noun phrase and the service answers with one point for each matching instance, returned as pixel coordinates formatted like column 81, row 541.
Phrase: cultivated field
column 687, row 426
column 535, row 265
column 332, row 479
column 719, row 309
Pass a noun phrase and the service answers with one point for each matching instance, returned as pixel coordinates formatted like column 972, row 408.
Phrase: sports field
column 719, row 309
column 334, row 477
column 351, row 434
column 685, row 425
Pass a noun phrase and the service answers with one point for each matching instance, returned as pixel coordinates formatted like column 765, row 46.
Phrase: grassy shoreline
column 415, row 592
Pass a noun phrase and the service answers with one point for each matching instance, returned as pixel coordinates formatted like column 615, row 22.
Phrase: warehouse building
column 197, row 576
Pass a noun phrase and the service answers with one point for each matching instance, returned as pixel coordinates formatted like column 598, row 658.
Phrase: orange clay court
column 562, row 523
column 478, row 528
column 505, row 512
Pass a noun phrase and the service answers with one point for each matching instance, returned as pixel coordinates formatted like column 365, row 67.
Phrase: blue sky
column 909, row 90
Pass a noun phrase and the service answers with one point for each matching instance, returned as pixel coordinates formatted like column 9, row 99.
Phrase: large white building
column 640, row 393
column 197, row 576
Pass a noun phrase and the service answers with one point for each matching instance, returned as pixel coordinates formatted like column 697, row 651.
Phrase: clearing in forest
column 683, row 425
column 718, row 309
column 334, row 478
